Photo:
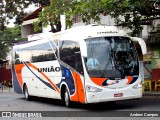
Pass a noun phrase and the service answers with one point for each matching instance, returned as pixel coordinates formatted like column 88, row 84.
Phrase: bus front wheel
column 66, row 98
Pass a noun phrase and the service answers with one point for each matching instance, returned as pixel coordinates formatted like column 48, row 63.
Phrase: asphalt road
column 10, row 101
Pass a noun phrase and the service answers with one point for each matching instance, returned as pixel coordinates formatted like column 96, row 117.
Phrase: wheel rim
column 66, row 98
column 26, row 92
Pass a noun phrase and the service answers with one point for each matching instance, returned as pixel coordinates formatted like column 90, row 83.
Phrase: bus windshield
column 111, row 57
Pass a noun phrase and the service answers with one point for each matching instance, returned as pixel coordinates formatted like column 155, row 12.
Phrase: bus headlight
column 93, row 89
column 139, row 85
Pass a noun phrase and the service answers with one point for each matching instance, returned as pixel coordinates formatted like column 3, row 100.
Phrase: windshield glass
column 111, row 57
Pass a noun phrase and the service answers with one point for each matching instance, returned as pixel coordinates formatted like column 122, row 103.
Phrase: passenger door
column 80, row 82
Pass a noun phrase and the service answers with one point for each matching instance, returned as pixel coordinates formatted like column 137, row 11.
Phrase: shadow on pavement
column 107, row 106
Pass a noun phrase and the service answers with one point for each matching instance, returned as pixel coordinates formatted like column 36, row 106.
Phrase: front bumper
column 96, row 97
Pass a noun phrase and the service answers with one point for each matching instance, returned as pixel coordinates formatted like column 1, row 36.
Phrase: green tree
column 10, row 9
column 7, row 37
column 127, row 13
column 133, row 12
column 49, row 16
column 3, row 50
column 52, row 12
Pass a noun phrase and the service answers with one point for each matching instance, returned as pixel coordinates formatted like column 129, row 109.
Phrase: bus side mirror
column 141, row 43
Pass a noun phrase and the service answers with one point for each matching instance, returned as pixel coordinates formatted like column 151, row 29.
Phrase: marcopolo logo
column 49, row 69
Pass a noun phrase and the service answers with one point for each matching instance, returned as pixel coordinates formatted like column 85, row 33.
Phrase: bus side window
column 67, row 53
column 78, row 62
column 41, row 53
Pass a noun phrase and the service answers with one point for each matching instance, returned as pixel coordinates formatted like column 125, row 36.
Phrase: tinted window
column 37, row 53
column 67, row 52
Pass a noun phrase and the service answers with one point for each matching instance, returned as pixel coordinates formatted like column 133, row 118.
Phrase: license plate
column 118, row 95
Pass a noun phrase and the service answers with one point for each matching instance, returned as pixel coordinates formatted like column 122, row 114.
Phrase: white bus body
column 57, row 66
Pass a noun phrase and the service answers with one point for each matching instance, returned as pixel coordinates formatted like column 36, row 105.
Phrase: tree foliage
column 7, row 38
column 10, row 9
column 134, row 13
column 127, row 13
column 51, row 14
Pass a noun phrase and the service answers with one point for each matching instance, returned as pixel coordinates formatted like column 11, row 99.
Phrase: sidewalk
column 151, row 93
column 6, row 89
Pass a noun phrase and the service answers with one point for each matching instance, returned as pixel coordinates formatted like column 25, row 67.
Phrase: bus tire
column 67, row 100
column 26, row 94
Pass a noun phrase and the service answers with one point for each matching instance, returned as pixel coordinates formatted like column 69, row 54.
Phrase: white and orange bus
column 87, row 64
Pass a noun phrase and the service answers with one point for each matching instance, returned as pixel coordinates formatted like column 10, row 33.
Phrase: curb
column 151, row 94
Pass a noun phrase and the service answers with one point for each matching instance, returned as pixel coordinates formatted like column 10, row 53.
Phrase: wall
column 5, row 72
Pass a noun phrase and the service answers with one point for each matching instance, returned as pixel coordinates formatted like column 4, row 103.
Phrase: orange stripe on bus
column 53, row 85
column 18, row 71
column 79, row 87
column 98, row 81
column 130, row 78
column 75, row 96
